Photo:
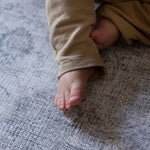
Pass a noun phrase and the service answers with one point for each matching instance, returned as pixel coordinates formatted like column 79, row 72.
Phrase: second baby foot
column 105, row 33
column 71, row 87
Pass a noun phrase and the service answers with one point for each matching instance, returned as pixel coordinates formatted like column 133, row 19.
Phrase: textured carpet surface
column 114, row 114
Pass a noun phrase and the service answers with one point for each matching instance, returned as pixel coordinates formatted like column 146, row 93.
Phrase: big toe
column 75, row 96
column 60, row 102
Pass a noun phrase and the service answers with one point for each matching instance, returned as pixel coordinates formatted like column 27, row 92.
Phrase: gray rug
column 114, row 114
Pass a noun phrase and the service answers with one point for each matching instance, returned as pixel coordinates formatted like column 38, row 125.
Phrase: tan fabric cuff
column 82, row 63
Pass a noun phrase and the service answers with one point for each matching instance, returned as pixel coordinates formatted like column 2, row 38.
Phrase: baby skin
column 72, row 85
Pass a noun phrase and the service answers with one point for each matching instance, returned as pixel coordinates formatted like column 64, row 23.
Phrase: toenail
column 61, row 106
column 68, row 106
column 73, row 98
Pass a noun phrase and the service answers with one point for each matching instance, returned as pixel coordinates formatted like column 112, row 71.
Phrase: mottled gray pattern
column 115, row 112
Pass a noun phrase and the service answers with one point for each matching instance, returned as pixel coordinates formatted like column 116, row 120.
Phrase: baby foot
column 71, row 88
column 105, row 33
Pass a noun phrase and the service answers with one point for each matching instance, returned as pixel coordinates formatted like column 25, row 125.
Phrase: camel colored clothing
column 71, row 22
column 132, row 17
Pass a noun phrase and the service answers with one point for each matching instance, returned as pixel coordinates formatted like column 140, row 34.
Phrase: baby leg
column 70, row 24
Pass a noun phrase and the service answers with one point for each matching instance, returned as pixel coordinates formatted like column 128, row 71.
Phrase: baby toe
column 60, row 102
